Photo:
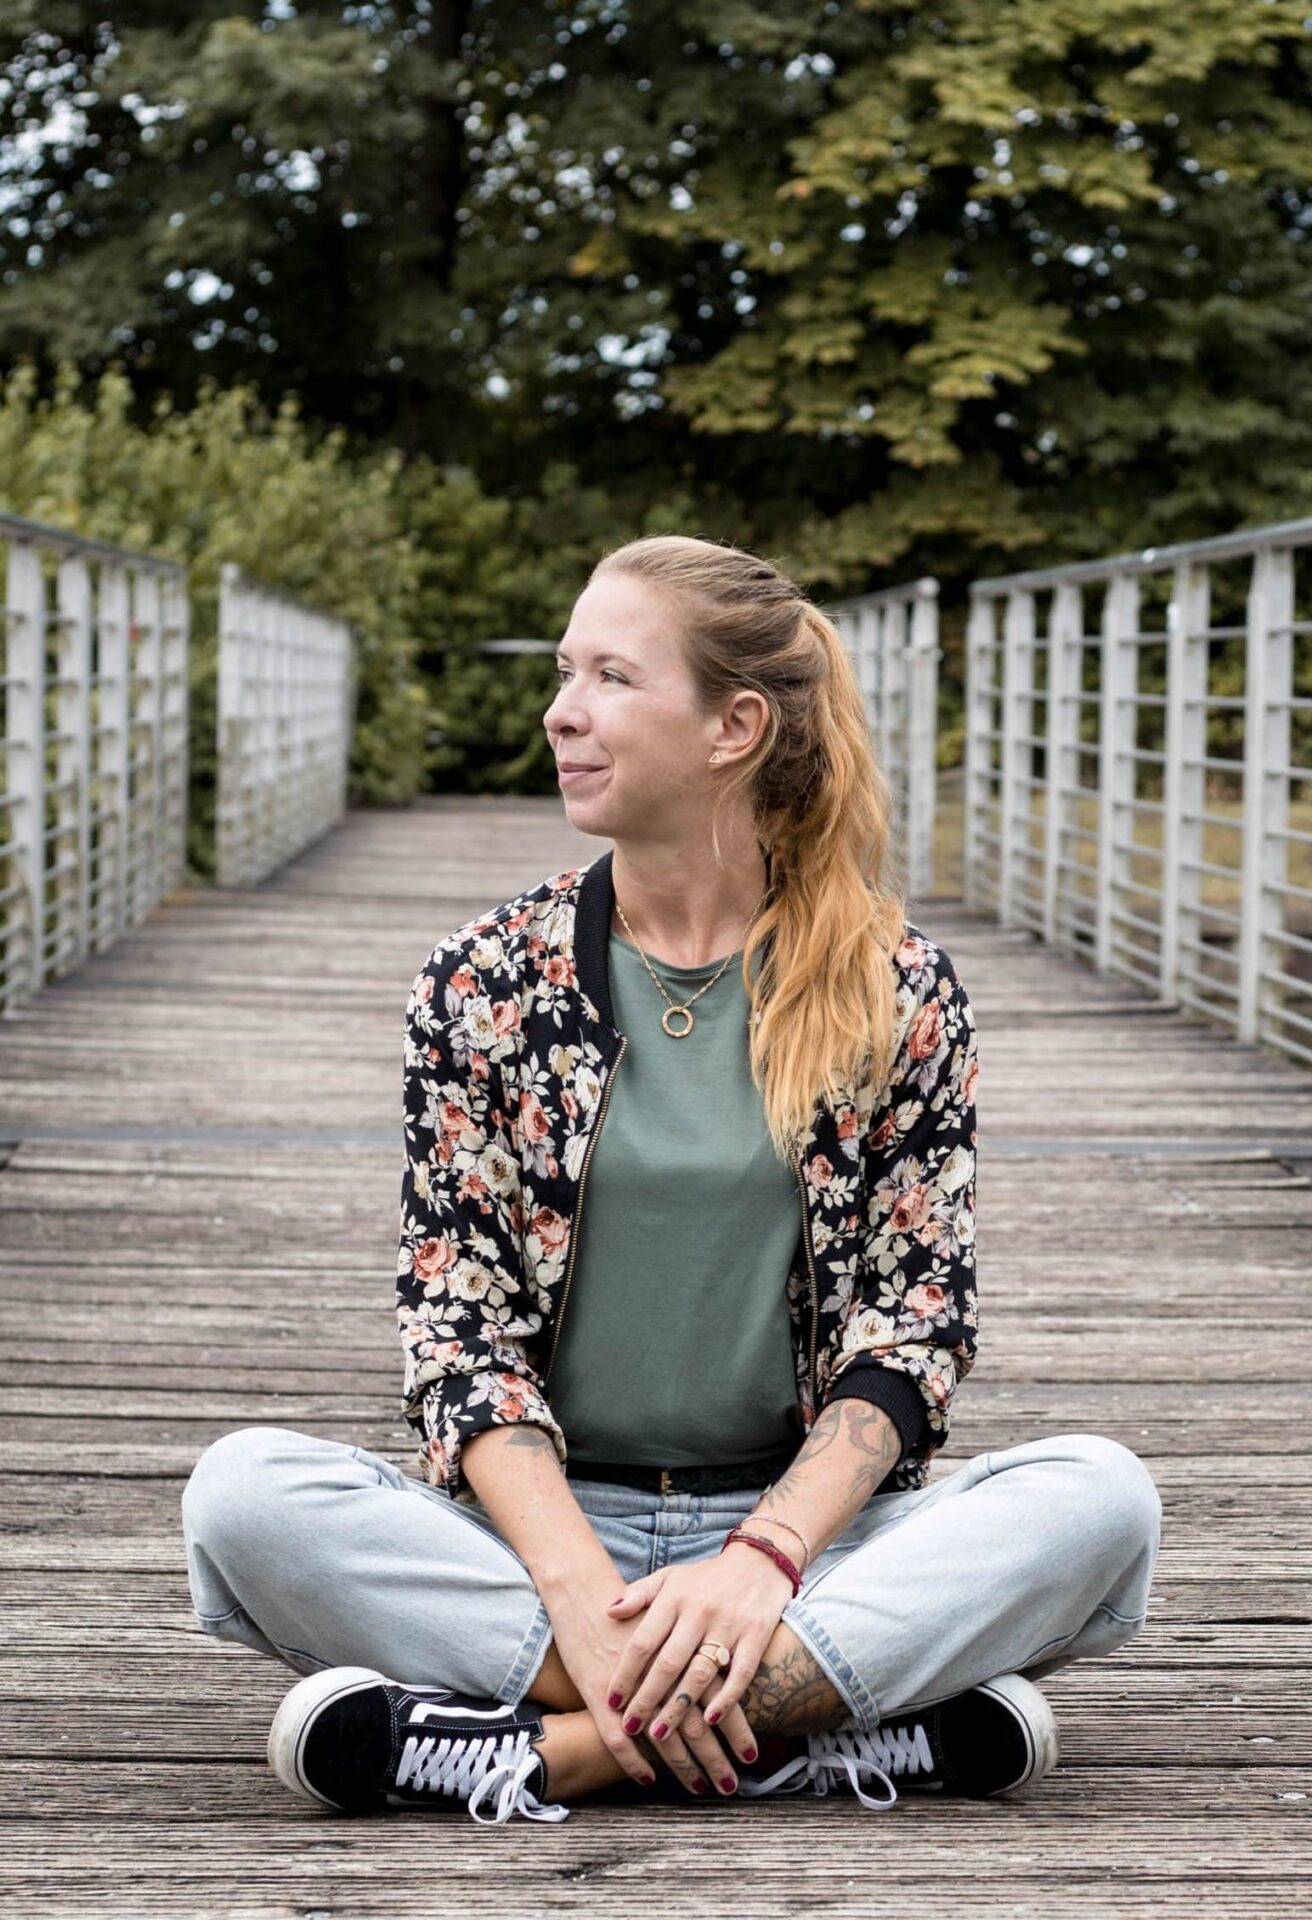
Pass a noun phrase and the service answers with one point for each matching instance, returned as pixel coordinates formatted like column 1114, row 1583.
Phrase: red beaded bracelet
column 777, row 1554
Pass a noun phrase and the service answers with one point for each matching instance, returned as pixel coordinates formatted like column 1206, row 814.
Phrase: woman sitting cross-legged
column 686, row 1290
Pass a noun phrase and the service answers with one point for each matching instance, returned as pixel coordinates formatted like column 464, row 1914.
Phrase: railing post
column 145, row 813
column 259, row 689
column 73, row 759
column 174, row 704
column 1017, row 721
column 1184, row 782
column 865, row 647
column 287, row 825
column 115, row 727
column 891, row 638
column 1120, row 620
column 229, row 813
column 923, row 655
column 892, row 621
column 1267, row 692
column 26, row 599
column 1065, row 644
column 981, row 655
column 346, row 720
column 305, row 798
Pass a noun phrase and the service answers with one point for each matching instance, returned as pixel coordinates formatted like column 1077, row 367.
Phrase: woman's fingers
column 664, row 1676
column 736, row 1732
column 626, row 1753
column 693, row 1752
column 713, row 1748
column 704, row 1745
column 683, row 1764
column 722, row 1698
column 708, row 1691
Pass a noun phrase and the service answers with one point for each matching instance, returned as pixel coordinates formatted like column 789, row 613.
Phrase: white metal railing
column 1184, row 860
column 286, row 705
column 893, row 639
column 93, row 746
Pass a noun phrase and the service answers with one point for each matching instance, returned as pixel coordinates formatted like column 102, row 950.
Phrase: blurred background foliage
column 413, row 310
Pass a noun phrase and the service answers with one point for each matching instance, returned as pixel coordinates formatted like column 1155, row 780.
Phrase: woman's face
column 625, row 707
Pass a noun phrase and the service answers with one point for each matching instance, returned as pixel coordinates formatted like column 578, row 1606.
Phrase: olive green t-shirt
column 675, row 1347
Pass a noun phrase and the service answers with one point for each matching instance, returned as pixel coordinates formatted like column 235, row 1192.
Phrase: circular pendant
column 683, row 1031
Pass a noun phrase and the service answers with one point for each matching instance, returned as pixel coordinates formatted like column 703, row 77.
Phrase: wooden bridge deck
column 199, row 1138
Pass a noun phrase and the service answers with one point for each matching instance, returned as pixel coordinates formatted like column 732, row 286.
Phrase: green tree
column 224, row 481
column 257, row 192
column 877, row 289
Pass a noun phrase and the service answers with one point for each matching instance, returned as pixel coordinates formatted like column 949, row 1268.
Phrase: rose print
column 433, row 1259
column 911, row 1210
column 549, row 1229
column 926, row 1298
column 923, row 1038
column 500, row 1107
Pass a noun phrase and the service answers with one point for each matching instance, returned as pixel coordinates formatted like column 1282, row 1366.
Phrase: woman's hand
column 591, row 1642
column 663, row 1681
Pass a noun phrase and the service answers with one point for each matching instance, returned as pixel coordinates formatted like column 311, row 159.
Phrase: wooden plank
column 211, row 1165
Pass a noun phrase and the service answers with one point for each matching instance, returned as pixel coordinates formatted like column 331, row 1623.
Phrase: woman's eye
column 606, row 674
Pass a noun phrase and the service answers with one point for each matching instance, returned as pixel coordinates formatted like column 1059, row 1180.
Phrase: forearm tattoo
column 873, row 1448
column 790, row 1692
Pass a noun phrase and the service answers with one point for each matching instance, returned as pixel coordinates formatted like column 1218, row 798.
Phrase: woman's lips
column 569, row 779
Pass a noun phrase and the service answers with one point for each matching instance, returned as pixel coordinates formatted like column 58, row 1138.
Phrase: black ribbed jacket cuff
column 896, row 1393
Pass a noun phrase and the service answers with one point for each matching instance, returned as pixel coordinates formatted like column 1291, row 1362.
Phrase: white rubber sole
column 1031, row 1707
column 297, row 1714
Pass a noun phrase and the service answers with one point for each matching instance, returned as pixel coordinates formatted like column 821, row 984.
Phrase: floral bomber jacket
column 510, row 1053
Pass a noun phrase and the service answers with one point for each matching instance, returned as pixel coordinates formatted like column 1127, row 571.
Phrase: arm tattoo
column 867, row 1446
column 527, row 1433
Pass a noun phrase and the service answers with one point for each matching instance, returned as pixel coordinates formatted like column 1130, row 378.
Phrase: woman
column 725, row 1037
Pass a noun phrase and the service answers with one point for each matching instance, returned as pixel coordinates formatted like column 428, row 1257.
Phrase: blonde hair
column 824, row 1003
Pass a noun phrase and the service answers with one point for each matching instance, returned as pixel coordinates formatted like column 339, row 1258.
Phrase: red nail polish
column 659, row 1731
column 632, row 1724
column 649, row 1779
column 699, row 1786
column 712, row 1718
column 617, row 1700
column 728, row 1783
column 749, row 1753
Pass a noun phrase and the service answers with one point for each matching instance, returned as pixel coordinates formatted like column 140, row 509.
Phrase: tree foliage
column 224, row 481
column 877, row 289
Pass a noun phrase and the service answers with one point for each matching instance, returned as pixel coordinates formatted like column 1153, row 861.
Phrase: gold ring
column 714, row 1651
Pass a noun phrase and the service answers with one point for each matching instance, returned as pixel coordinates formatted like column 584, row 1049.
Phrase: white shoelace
column 847, row 1751
column 473, row 1768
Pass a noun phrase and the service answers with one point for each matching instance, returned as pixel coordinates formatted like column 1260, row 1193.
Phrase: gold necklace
column 686, row 1008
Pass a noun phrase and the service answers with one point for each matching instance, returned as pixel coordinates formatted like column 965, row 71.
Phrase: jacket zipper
column 578, row 1216
column 578, row 1209
column 810, row 1268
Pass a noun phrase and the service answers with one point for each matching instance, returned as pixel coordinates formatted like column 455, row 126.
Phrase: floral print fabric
column 506, row 1061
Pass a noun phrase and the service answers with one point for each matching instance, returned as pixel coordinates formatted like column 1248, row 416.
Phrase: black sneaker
column 350, row 1739
column 991, row 1739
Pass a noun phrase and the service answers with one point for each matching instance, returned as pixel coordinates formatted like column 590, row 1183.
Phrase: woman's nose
column 560, row 714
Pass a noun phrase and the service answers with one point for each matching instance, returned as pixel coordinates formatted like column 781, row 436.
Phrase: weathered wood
column 203, row 1134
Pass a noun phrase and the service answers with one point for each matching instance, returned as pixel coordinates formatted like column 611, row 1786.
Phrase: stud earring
column 714, row 760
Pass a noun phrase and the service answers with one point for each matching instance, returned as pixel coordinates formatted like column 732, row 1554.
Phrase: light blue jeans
column 321, row 1554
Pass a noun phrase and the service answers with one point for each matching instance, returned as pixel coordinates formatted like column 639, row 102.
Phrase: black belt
column 726, row 1479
